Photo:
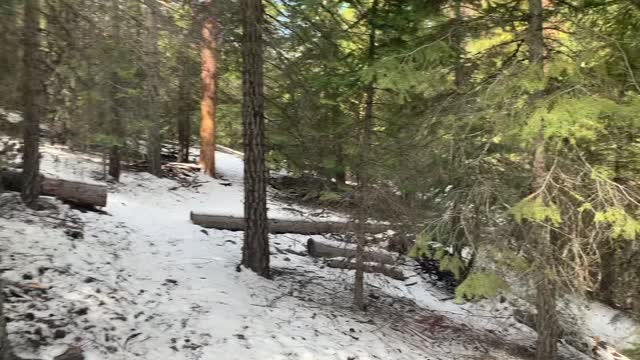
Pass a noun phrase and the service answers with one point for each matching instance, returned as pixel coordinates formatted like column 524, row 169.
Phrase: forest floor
column 140, row 281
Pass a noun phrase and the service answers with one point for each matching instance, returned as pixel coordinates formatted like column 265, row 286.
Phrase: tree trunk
column 547, row 325
column 153, row 136
column 363, row 171
column 184, row 115
column 32, row 97
column 9, row 67
column 255, row 252
column 116, row 123
column 458, row 39
column 341, row 171
column 608, row 270
column 209, row 77
column 280, row 226
column 372, row 268
column 79, row 193
column 335, row 249
column 5, row 347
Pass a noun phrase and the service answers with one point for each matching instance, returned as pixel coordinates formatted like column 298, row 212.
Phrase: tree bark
column 363, row 171
column 116, row 123
column 255, row 252
column 153, row 135
column 32, row 98
column 6, row 352
column 70, row 191
column 9, row 67
column 209, row 78
column 458, row 39
column 333, row 249
column 280, row 226
column 341, row 171
column 368, row 267
column 609, row 274
column 184, row 115
column 547, row 325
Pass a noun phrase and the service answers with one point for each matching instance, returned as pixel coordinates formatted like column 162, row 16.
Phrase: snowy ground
column 142, row 282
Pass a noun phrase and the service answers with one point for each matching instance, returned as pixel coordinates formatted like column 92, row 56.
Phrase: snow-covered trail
column 145, row 283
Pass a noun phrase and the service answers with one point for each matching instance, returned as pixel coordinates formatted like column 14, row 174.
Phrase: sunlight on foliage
column 622, row 224
column 536, row 210
column 454, row 264
column 480, row 285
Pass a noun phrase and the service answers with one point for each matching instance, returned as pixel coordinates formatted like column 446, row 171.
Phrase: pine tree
column 209, row 77
column 6, row 352
column 255, row 251
column 33, row 96
column 116, row 124
column 154, row 146
column 363, row 169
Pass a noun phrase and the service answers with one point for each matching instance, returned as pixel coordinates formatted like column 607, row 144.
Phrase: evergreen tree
column 209, row 78
column 255, row 251
column 33, row 106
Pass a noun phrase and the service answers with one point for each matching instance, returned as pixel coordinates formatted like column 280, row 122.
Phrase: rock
column 82, row 311
column 72, row 353
column 59, row 334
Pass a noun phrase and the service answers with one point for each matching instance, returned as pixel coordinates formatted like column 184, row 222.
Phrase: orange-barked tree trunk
column 209, row 77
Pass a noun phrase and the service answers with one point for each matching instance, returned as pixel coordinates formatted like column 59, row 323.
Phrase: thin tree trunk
column 547, row 325
column 209, row 78
column 341, row 172
column 363, row 175
column 6, row 352
column 608, row 267
column 8, row 59
column 153, row 135
column 457, row 235
column 116, row 124
column 184, row 116
column 32, row 97
column 255, row 251
column 609, row 275
column 458, row 39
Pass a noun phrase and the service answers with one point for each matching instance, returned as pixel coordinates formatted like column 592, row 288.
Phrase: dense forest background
column 507, row 127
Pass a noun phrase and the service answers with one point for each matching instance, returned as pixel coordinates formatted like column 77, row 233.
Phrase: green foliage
column 622, row 224
column 425, row 246
column 454, row 264
column 508, row 259
column 106, row 141
column 535, row 209
column 480, row 285
column 330, row 196
column 633, row 352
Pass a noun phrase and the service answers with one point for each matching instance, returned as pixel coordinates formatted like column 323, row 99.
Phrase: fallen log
column 76, row 192
column 335, row 249
column 279, row 226
column 369, row 267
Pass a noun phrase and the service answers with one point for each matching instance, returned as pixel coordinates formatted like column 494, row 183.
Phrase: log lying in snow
column 370, row 267
column 335, row 249
column 66, row 190
column 277, row 226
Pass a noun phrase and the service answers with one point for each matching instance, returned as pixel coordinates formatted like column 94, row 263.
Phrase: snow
column 143, row 282
column 619, row 330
